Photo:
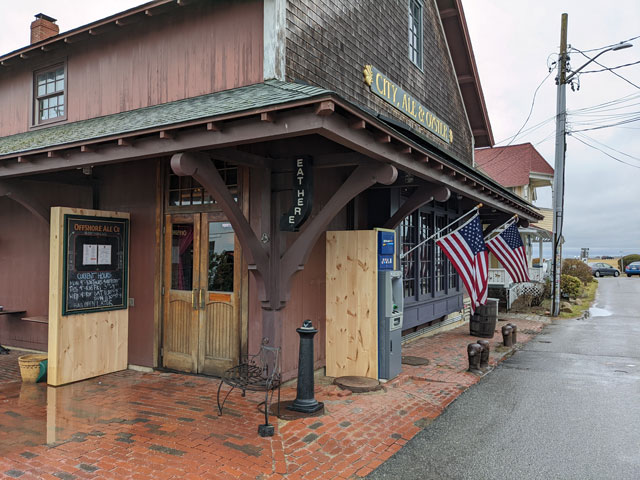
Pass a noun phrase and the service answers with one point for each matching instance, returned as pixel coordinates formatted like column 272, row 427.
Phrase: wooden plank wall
column 352, row 304
column 86, row 345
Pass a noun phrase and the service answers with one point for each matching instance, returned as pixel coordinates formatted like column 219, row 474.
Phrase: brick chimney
column 43, row 27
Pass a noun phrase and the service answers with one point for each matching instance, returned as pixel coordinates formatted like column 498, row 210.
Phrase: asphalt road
column 567, row 406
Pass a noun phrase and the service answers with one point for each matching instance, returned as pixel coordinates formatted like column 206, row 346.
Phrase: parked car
column 632, row 269
column 601, row 269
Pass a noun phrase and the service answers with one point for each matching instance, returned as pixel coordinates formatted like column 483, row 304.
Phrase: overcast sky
column 514, row 43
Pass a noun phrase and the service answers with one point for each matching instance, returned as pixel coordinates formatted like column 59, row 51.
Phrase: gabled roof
column 512, row 165
column 464, row 62
column 88, row 31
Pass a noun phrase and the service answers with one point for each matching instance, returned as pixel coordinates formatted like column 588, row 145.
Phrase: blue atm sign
column 385, row 262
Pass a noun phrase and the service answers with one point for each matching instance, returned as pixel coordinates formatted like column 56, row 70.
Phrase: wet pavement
column 165, row 425
column 565, row 406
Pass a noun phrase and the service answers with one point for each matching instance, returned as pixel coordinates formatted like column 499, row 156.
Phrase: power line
column 602, row 151
column 608, row 46
column 609, row 125
column 607, row 68
column 610, row 69
column 533, row 101
column 582, row 135
column 609, row 103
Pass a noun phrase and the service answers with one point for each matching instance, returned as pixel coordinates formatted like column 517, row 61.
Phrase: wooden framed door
column 181, row 280
column 219, row 332
column 201, row 331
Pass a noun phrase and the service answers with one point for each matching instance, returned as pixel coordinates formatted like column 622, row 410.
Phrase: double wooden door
column 201, row 331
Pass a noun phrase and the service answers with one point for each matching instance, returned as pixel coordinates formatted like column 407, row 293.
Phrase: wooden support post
column 272, row 272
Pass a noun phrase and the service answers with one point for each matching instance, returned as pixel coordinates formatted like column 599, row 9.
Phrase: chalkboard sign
column 95, row 264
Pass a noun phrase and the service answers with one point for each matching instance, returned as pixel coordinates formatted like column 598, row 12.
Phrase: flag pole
column 404, row 254
column 502, row 227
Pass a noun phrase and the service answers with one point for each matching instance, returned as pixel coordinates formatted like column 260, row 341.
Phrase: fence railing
column 500, row 277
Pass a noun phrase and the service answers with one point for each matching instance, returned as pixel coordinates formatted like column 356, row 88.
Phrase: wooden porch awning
column 259, row 113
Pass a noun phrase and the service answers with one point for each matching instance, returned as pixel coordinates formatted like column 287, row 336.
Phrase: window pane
column 184, row 191
column 44, row 114
column 440, row 258
column 426, row 252
column 50, row 87
column 415, row 32
column 41, row 89
column 182, row 257
column 59, row 85
column 60, row 73
column 221, row 257
column 53, row 102
column 408, row 236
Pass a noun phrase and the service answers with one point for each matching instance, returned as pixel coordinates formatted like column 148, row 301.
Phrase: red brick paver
column 163, row 425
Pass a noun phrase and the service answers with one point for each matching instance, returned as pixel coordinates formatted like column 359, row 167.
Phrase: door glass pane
column 221, row 251
column 182, row 257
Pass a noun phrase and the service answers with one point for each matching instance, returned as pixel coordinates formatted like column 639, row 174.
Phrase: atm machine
column 390, row 307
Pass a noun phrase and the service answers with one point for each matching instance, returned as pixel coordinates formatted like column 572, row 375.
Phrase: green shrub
column 626, row 260
column 578, row 269
column 570, row 286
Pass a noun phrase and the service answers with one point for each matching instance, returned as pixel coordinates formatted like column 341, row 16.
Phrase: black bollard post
column 305, row 401
column 506, row 336
column 484, row 356
column 474, row 351
column 514, row 333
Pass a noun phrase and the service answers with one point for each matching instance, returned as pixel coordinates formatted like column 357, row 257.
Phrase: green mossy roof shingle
column 271, row 92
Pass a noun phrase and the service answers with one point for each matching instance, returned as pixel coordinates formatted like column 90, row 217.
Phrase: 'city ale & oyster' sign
column 401, row 100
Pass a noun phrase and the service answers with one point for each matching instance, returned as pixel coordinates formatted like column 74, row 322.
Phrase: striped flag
column 510, row 252
column 467, row 252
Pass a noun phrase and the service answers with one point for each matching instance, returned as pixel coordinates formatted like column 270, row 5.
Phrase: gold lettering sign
column 404, row 102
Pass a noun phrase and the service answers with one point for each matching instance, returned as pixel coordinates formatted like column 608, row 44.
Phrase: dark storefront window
column 441, row 259
column 427, row 272
column 426, row 252
column 408, row 239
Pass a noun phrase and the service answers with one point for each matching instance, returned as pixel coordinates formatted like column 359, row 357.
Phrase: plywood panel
column 351, row 304
column 87, row 345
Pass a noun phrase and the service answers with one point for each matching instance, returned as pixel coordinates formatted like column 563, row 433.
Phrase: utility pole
column 558, row 178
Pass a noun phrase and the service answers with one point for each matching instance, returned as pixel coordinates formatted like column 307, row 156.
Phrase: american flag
column 510, row 252
column 466, row 249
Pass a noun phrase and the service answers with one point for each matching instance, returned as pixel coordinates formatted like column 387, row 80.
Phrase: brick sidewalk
column 163, row 425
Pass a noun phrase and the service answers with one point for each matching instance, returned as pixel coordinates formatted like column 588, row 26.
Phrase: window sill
column 48, row 123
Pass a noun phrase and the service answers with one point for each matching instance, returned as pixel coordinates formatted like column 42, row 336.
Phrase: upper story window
column 49, row 94
column 415, row 32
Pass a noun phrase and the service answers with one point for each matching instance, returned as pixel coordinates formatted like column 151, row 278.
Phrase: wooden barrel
column 483, row 321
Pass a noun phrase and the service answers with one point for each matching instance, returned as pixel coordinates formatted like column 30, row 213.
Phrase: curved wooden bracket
column 17, row 193
column 419, row 197
column 199, row 166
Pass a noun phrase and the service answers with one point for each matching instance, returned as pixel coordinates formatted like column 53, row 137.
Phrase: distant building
column 521, row 169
